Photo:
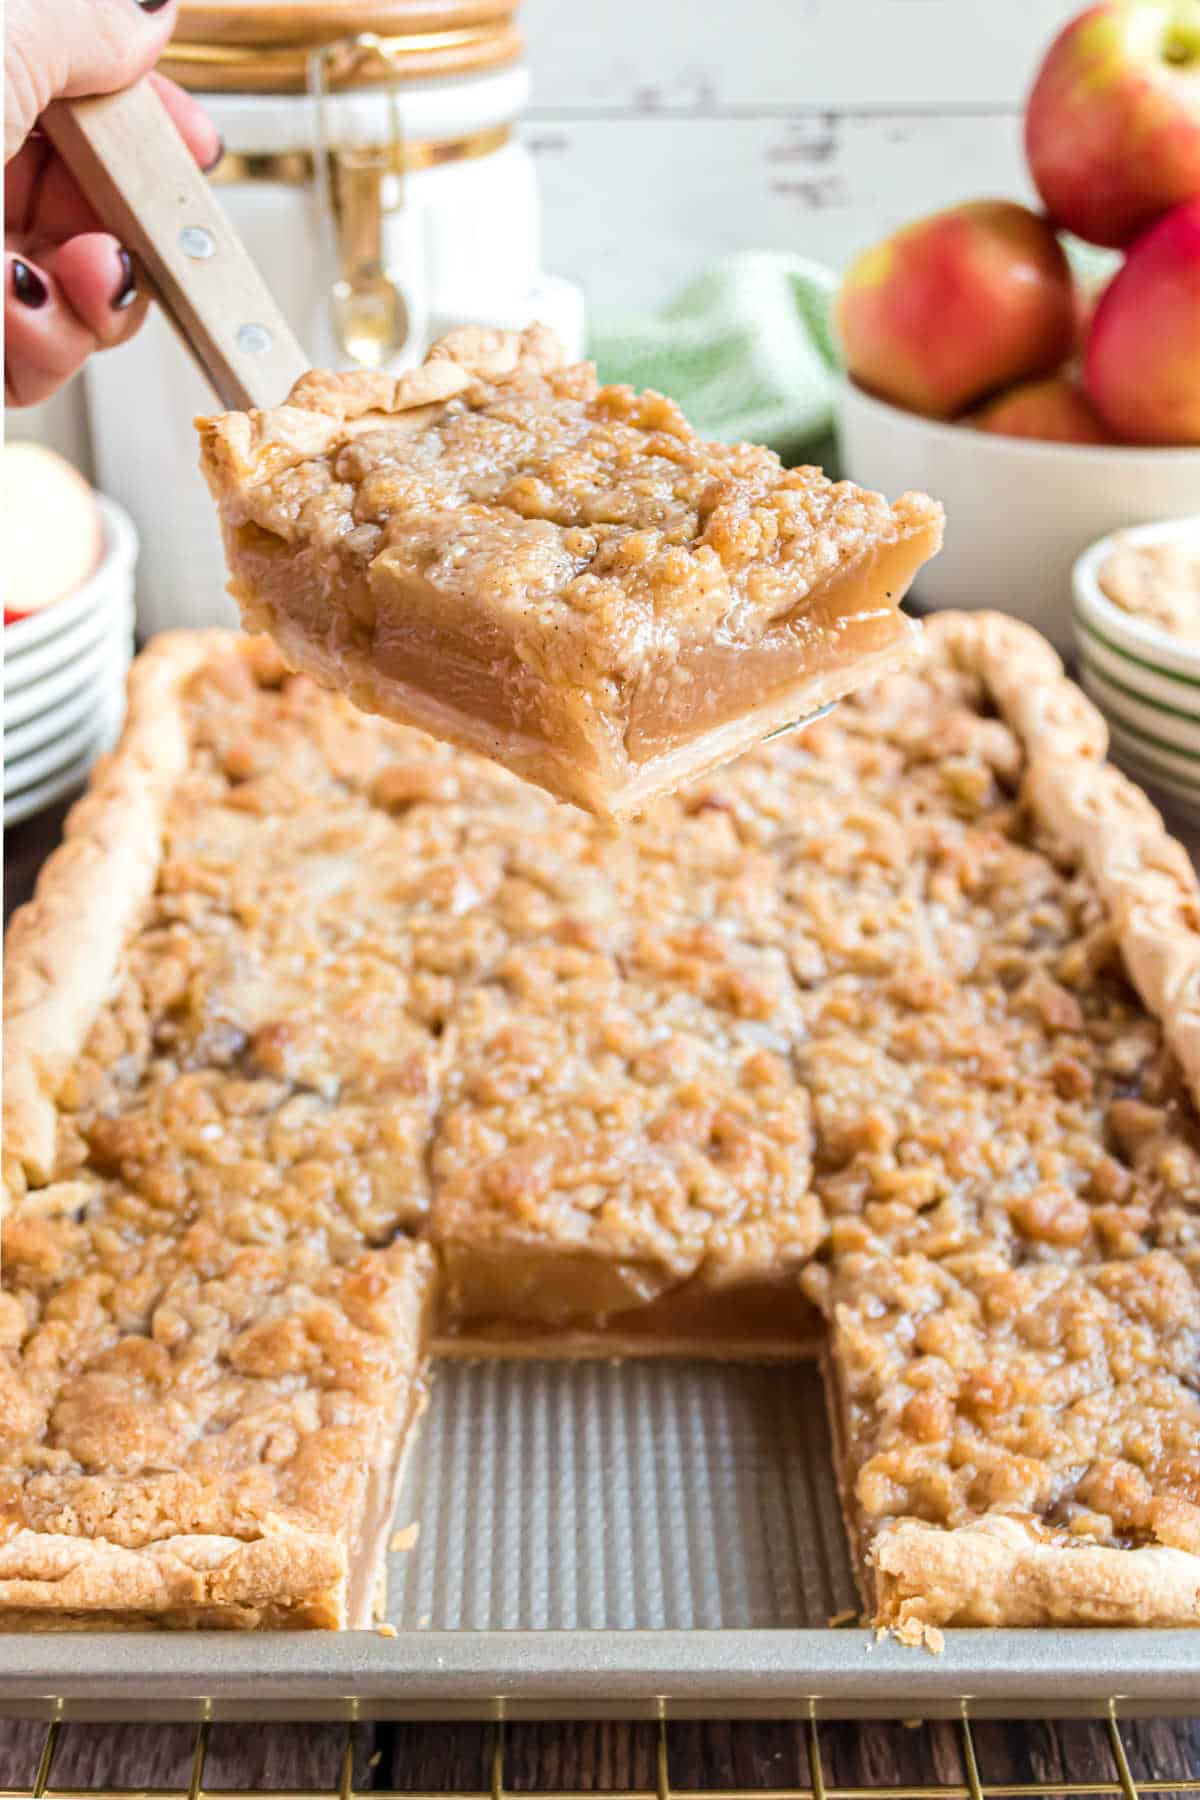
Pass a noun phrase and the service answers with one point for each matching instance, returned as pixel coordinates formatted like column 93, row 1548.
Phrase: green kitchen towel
column 747, row 350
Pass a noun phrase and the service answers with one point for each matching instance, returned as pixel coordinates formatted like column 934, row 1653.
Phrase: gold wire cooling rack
column 973, row 1784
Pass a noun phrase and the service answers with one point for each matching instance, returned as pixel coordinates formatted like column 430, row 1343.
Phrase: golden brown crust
column 454, row 365
column 1002, row 1571
column 1025, row 677
column 492, row 354
column 1146, row 880
column 62, row 949
column 1093, row 814
column 323, row 402
column 72, row 1577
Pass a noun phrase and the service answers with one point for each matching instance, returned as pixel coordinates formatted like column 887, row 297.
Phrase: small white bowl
column 1156, row 647
column 63, row 679
column 1018, row 511
column 113, row 574
column 42, row 664
column 106, row 676
column 33, row 768
column 1145, row 681
column 66, row 777
column 85, row 668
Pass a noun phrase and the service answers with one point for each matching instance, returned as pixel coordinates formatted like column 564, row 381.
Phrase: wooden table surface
column 585, row 1757
column 542, row 1758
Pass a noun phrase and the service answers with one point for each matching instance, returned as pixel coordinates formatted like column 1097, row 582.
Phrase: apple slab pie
column 562, row 577
column 331, row 1048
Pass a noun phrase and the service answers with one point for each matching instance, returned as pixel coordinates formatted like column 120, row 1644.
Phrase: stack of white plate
column 64, row 678
column 1144, row 679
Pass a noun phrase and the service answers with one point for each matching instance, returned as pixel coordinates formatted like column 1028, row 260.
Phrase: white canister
column 372, row 168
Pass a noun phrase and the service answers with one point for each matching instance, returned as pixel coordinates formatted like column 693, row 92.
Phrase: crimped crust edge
column 999, row 1571
column 63, row 947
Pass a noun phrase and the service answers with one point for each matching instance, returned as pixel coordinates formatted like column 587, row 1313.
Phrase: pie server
column 138, row 174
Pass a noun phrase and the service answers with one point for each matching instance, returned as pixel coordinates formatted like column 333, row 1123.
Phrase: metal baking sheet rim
column 596, row 1674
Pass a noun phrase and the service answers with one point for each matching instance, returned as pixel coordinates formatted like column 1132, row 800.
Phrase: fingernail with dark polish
column 28, row 285
column 216, row 161
column 126, row 293
column 152, row 5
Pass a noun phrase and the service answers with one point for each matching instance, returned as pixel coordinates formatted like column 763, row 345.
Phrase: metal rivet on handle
column 197, row 241
column 254, row 339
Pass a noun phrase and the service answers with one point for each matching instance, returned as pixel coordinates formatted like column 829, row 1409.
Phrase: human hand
column 70, row 288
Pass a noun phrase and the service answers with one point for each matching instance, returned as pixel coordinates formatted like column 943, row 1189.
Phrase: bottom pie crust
column 367, row 1564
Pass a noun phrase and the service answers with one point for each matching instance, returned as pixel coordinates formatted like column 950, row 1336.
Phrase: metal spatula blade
column 822, row 712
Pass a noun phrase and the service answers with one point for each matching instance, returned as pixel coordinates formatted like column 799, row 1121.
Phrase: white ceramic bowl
column 70, row 768
column 1145, row 681
column 1018, row 512
column 113, row 575
column 61, row 657
column 44, row 698
column 64, row 674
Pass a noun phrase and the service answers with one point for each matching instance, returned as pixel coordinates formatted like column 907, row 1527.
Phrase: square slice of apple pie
column 560, row 576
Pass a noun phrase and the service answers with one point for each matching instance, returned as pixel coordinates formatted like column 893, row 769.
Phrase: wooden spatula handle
column 133, row 166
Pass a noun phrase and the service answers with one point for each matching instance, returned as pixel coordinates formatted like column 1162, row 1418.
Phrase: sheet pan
column 609, row 1539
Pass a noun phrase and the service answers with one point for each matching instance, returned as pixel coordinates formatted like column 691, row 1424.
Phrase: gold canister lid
column 264, row 46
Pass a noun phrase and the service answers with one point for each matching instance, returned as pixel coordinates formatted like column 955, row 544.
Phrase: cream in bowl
column 1157, row 579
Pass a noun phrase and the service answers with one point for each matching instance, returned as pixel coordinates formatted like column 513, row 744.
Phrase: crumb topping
column 839, row 1005
column 603, row 530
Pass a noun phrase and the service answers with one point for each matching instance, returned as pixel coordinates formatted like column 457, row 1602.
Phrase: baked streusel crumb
column 854, row 1018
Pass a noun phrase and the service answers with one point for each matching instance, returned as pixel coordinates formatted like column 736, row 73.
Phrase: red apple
column 1112, row 126
column 956, row 305
column 1142, row 365
column 1055, row 409
column 50, row 529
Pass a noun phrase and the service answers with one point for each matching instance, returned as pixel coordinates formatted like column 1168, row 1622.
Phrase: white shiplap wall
column 668, row 132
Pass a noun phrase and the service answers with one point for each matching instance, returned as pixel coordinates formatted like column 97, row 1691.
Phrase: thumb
column 75, row 47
